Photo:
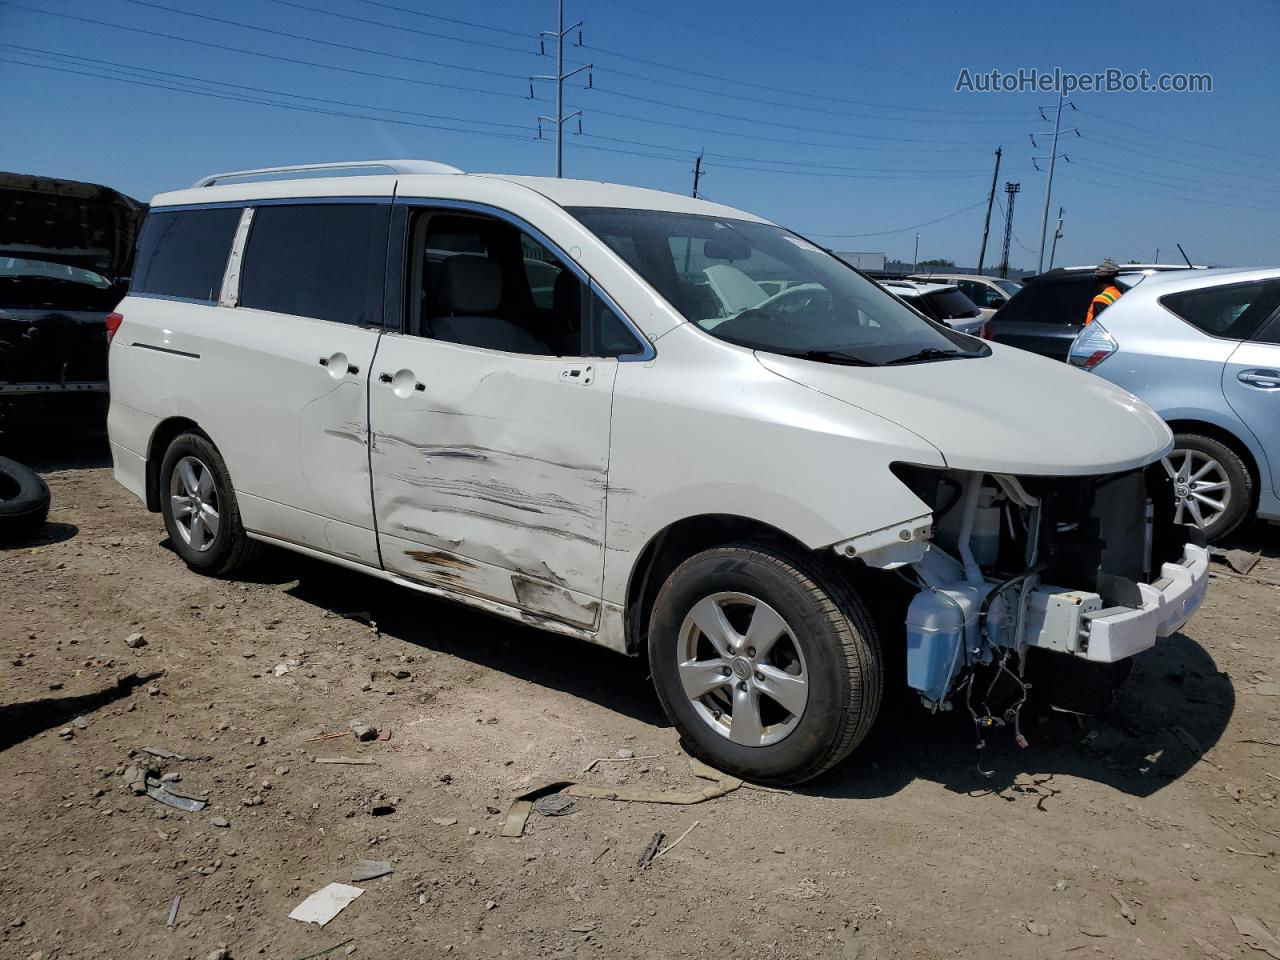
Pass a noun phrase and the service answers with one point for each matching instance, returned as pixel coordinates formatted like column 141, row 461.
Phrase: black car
column 1047, row 313
column 66, row 249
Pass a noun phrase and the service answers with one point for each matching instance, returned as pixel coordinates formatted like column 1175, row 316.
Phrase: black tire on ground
column 841, row 659
column 231, row 549
column 24, row 501
column 1238, row 476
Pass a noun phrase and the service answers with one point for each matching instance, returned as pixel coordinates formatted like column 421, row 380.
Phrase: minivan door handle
column 583, row 374
column 1264, row 379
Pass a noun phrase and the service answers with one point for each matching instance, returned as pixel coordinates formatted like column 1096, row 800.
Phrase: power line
column 1199, row 143
column 266, row 56
column 328, row 43
column 1168, row 196
column 1094, row 138
column 79, row 60
column 914, row 226
column 436, row 16
column 1159, row 179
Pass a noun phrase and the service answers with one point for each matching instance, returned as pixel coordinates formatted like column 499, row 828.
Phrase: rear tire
column 200, row 509
column 1196, row 498
column 24, row 502
column 766, row 662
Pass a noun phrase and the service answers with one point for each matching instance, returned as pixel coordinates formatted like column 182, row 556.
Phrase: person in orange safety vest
column 1108, row 293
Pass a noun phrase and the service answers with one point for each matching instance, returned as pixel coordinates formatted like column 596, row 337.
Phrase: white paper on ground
column 325, row 904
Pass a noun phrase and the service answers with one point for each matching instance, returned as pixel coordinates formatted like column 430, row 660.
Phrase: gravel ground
column 1114, row 837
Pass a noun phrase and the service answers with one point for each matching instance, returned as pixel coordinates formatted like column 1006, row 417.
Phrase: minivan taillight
column 113, row 324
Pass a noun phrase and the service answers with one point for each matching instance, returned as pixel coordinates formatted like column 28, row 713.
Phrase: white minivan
column 648, row 421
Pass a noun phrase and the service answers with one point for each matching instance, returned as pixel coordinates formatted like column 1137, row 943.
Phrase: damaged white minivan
column 648, row 421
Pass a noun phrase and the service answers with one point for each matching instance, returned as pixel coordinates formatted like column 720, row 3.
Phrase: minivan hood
column 1010, row 412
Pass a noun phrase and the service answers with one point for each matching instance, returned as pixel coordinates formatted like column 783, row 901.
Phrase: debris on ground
column 171, row 796
column 1241, row 561
column 135, row 640
column 328, row 950
column 173, row 911
column 286, row 666
column 1037, row 928
column 444, row 821
column 363, row 870
column 651, row 850
column 359, row 761
column 554, row 805
column 1126, row 911
column 222, row 952
column 1257, row 936
column 222, row 822
column 363, row 731
column 1192, row 744
column 670, row 846
column 325, row 904
column 623, row 755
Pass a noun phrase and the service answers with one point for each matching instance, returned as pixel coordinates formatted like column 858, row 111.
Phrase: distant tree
column 937, row 263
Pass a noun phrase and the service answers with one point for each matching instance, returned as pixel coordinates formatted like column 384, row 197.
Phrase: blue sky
column 832, row 118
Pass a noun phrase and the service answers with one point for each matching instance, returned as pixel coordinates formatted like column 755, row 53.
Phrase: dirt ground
column 903, row 851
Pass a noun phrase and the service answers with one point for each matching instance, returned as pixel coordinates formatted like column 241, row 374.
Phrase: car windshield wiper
column 832, row 356
column 931, row 353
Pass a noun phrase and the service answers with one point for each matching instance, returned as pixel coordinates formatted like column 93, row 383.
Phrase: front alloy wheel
column 1201, row 488
column 742, row 669
column 193, row 500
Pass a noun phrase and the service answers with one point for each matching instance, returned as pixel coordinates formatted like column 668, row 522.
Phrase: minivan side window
column 320, row 260
column 1230, row 312
column 482, row 282
column 184, row 253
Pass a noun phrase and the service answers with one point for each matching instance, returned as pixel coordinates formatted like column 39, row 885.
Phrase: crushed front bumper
column 1075, row 622
column 1120, row 632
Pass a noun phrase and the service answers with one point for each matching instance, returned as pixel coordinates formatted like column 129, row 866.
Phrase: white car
column 989, row 293
column 940, row 301
column 779, row 508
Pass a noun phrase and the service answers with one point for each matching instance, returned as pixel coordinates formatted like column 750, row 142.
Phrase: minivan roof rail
column 395, row 166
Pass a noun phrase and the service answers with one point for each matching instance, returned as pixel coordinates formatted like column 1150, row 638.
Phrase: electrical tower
column 1011, row 194
column 697, row 174
column 1057, row 235
column 1053, row 156
column 991, row 199
column 560, row 32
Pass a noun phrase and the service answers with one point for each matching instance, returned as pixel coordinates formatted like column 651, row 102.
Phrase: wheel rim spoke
column 1168, row 468
column 700, row 677
column 182, row 506
column 710, row 619
column 1194, row 509
column 210, row 517
column 205, row 484
column 1185, row 471
column 1179, row 511
column 187, row 474
column 197, row 531
column 764, row 630
column 1206, row 467
column 1208, row 487
column 745, row 727
column 791, row 692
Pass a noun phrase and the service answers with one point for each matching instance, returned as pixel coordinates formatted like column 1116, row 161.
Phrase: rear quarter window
column 323, row 260
column 184, row 253
column 1231, row 312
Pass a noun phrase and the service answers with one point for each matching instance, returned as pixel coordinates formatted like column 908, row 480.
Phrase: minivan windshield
column 765, row 288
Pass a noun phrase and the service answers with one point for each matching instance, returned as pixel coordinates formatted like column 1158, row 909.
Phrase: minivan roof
column 564, row 192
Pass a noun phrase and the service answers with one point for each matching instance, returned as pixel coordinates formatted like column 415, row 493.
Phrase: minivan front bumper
column 1075, row 622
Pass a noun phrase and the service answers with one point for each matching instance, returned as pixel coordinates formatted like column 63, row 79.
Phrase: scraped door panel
column 489, row 474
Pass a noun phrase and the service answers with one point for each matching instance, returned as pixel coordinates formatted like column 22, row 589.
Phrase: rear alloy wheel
column 200, row 509
column 1212, row 488
column 766, row 662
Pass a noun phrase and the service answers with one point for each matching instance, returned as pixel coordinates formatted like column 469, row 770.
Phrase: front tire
column 766, row 662
column 200, row 509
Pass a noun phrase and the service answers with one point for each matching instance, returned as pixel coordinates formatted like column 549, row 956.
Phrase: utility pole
column 560, row 77
column 915, row 258
column 697, row 174
column 1057, row 235
column 991, row 199
column 1053, row 156
column 1011, row 194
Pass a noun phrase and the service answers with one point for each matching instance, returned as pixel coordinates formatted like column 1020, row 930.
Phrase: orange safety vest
column 1107, row 297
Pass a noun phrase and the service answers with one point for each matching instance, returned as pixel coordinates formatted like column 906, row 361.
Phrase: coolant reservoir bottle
column 935, row 637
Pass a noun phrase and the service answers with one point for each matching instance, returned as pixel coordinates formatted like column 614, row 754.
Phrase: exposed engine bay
column 1093, row 568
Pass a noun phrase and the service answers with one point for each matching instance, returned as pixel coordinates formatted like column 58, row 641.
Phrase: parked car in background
column 1203, row 350
column 65, row 253
column 1047, row 313
column 988, row 293
column 774, row 480
column 939, row 301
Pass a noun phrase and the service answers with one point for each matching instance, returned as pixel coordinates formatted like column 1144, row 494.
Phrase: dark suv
column 1047, row 313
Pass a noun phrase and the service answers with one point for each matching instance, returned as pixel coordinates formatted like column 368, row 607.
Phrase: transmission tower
column 1011, row 194
column 559, row 120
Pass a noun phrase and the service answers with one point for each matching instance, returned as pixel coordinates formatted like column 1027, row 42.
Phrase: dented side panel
column 489, row 481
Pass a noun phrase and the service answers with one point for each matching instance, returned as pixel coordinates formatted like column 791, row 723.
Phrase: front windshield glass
column 43, row 270
column 763, row 287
